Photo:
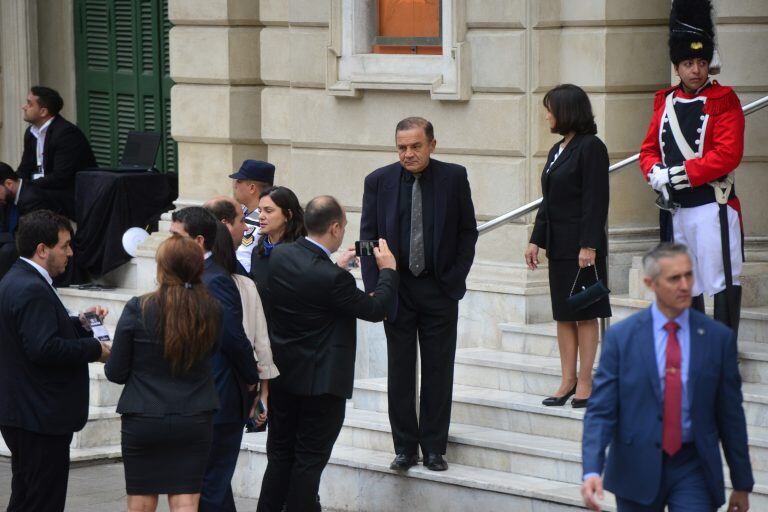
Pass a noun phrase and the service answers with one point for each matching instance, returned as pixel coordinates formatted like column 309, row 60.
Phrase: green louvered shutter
column 123, row 82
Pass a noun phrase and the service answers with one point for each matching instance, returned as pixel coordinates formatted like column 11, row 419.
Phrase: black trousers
column 217, row 494
column 40, row 468
column 425, row 313
column 301, row 434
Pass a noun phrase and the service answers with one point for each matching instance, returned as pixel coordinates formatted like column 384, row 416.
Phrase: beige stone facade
column 267, row 80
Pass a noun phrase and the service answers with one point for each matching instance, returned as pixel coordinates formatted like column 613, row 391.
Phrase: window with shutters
column 408, row 26
column 123, row 75
column 404, row 45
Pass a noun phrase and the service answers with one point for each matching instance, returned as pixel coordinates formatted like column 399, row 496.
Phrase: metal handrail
column 534, row 205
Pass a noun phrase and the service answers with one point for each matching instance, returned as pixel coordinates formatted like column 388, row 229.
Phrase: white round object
column 132, row 239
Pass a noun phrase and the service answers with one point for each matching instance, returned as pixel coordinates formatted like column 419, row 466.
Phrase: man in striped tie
column 666, row 393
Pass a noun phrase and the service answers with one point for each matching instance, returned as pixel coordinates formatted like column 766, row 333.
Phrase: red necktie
column 672, row 436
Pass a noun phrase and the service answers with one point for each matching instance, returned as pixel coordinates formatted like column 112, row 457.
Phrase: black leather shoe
column 559, row 400
column 435, row 462
column 404, row 461
column 579, row 403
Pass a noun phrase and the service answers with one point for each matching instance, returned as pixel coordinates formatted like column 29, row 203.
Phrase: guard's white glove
column 658, row 177
column 678, row 178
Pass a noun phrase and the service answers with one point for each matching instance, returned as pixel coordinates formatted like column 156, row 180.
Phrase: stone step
column 540, row 375
column 101, row 430
column 359, row 479
column 102, row 392
column 532, row 455
column 100, row 438
column 753, row 326
column 79, row 454
column 523, row 412
column 482, row 447
column 507, row 371
column 533, row 339
column 79, row 300
column 754, row 282
column 505, row 410
column 753, row 362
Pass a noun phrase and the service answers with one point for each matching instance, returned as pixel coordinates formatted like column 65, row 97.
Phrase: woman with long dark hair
column 281, row 220
column 570, row 225
column 161, row 352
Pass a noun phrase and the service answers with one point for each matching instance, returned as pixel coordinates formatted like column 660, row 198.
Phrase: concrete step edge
column 459, row 475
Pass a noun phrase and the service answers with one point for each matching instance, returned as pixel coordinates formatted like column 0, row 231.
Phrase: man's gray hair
column 651, row 266
column 410, row 123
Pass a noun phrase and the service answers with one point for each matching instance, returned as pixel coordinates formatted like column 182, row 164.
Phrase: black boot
column 698, row 303
column 729, row 311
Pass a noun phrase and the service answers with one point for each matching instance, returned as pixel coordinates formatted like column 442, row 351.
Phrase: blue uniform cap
column 256, row 170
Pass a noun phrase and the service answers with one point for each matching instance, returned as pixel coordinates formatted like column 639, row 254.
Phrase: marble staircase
column 506, row 451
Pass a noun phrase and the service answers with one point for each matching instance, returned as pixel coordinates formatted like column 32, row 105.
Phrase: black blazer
column 151, row 388
column 574, row 209
column 66, row 151
column 314, row 307
column 455, row 225
column 44, row 356
column 234, row 364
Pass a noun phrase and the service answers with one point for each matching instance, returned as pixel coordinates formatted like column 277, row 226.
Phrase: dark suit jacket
column 151, row 387
column 574, row 209
column 455, row 226
column 66, row 151
column 626, row 409
column 234, row 364
column 314, row 307
column 44, row 356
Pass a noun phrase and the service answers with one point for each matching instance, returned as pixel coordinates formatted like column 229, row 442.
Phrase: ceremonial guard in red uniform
column 694, row 143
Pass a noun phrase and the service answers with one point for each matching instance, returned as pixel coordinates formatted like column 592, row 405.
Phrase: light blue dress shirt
column 660, row 336
column 326, row 251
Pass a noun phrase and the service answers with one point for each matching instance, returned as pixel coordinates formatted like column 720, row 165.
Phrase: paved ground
column 94, row 488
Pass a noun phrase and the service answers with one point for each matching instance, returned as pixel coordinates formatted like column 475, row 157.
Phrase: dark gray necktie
column 416, row 256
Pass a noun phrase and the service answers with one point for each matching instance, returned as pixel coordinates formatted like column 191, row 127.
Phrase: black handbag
column 587, row 295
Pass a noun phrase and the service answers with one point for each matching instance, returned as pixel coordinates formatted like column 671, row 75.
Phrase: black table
column 107, row 203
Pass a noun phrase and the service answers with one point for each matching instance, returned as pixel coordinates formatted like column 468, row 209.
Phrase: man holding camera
column 423, row 209
column 314, row 335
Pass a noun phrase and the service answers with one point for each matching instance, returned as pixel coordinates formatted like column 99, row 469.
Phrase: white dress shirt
column 39, row 134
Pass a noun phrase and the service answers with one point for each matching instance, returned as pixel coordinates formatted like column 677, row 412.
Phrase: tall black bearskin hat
column 691, row 31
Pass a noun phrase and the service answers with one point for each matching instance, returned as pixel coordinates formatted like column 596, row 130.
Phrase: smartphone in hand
column 365, row 247
column 99, row 331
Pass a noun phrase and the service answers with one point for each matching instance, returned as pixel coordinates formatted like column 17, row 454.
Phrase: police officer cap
column 255, row 170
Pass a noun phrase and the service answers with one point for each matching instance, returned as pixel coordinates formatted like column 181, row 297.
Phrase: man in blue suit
column 667, row 390
column 234, row 365
column 44, row 356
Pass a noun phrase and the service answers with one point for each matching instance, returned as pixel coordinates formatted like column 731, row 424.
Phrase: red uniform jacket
column 722, row 121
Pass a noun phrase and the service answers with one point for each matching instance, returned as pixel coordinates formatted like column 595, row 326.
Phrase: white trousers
column 699, row 229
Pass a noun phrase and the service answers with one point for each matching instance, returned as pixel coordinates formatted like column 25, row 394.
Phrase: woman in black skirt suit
column 570, row 225
column 162, row 353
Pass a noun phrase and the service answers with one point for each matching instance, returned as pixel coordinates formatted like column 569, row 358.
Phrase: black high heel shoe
column 579, row 403
column 559, row 400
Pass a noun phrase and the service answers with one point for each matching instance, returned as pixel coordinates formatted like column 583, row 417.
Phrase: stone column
column 20, row 60
column 216, row 102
